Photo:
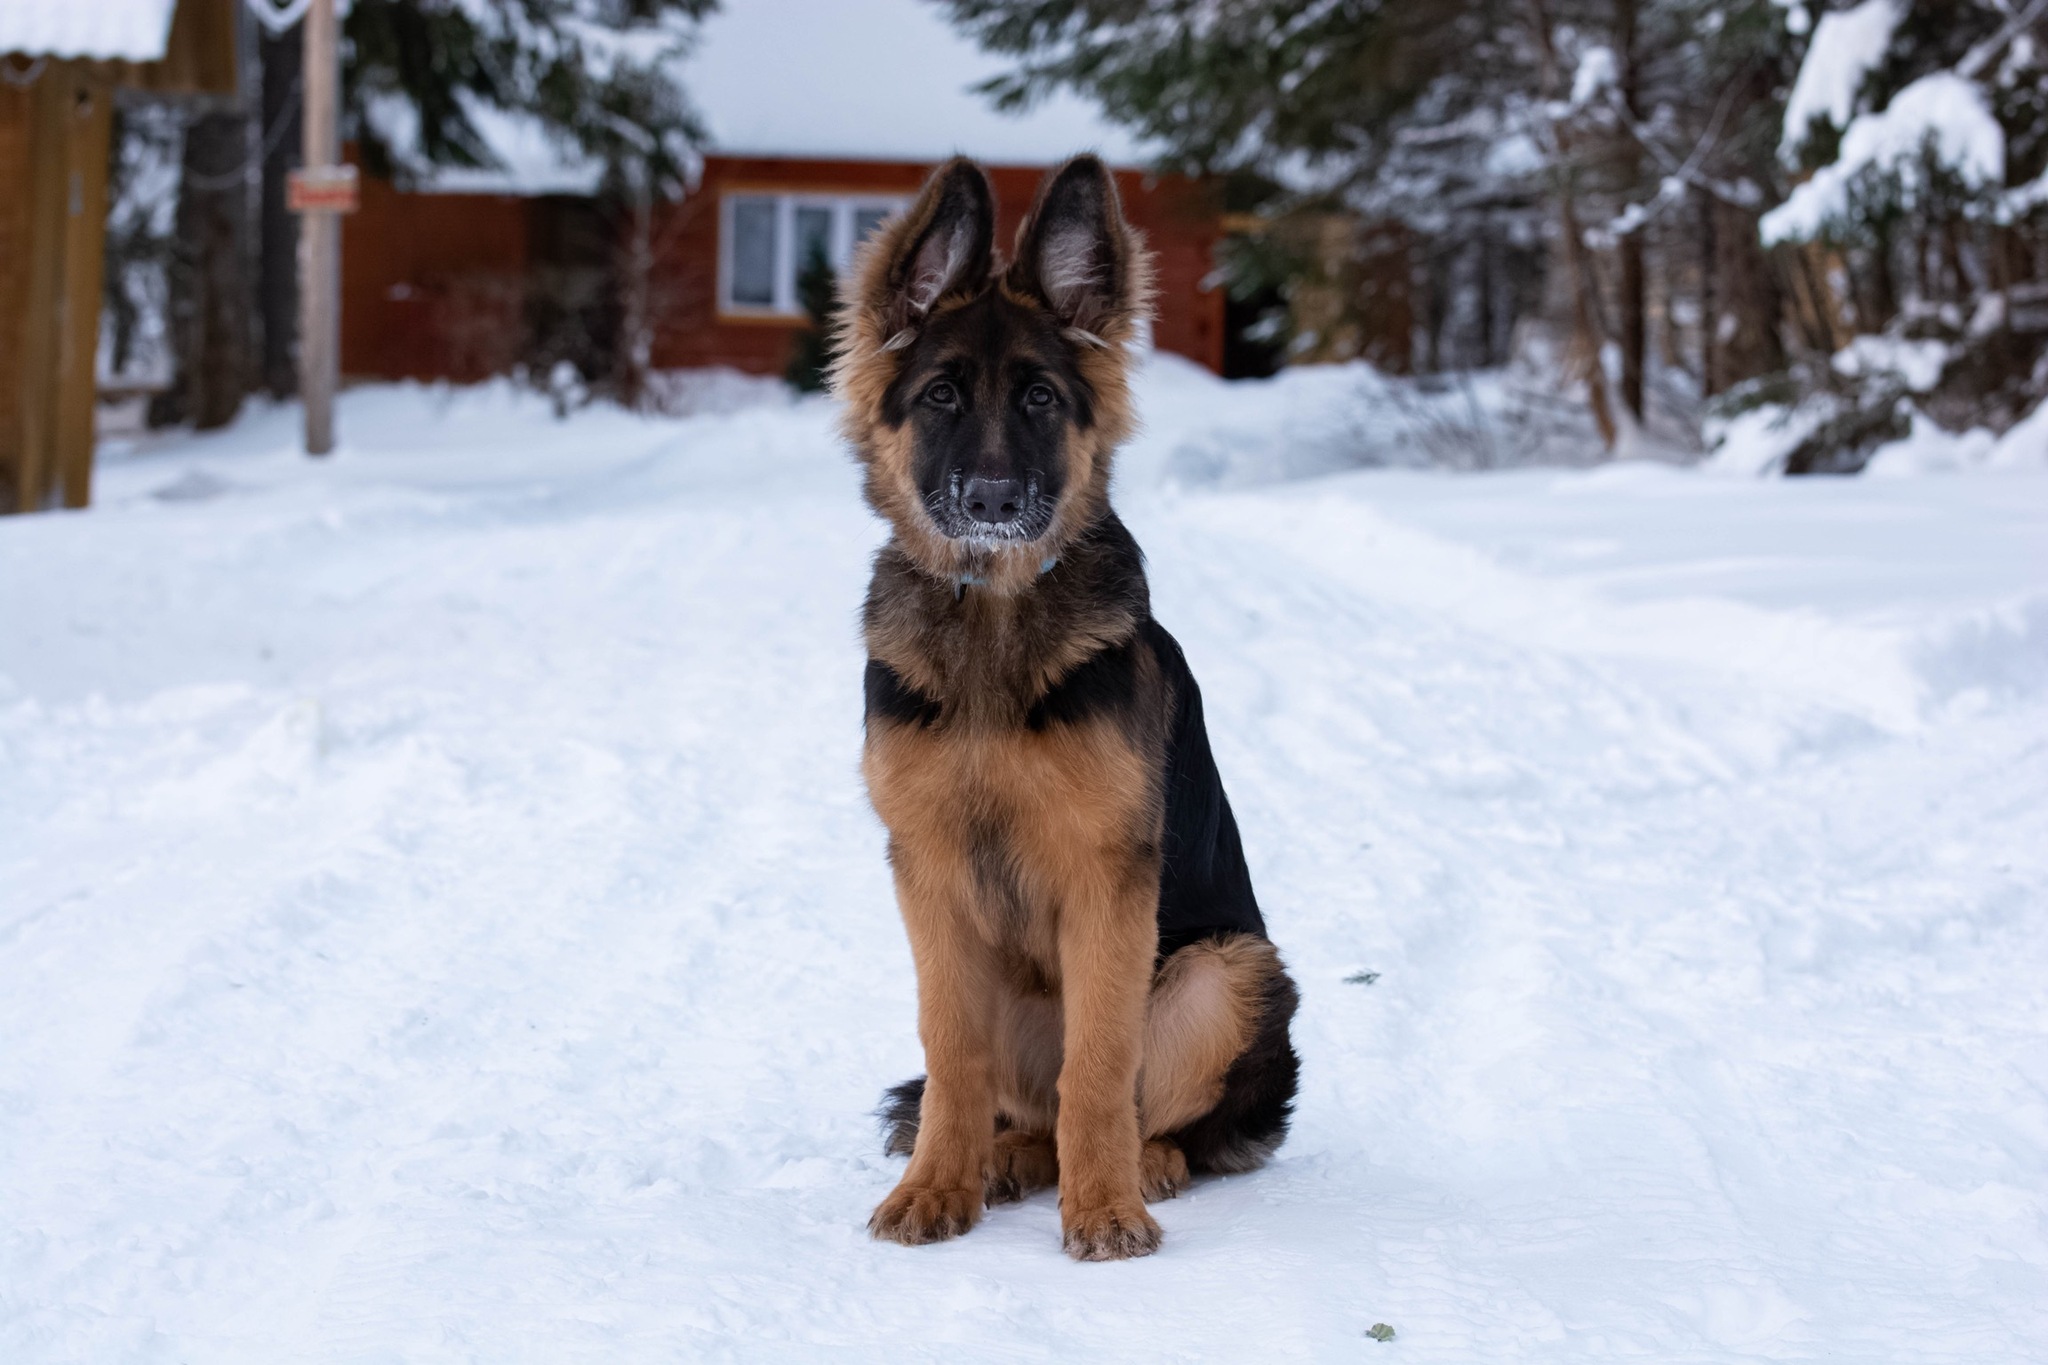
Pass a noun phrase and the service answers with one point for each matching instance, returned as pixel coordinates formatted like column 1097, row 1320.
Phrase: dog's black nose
column 993, row 500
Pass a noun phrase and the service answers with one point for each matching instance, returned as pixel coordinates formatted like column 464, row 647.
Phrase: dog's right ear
column 944, row 245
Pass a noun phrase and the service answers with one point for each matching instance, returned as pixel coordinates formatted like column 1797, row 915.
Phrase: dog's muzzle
column 992, row 509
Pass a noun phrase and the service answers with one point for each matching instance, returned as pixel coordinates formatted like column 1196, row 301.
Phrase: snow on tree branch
column 1942, row 116
column 1846, row 46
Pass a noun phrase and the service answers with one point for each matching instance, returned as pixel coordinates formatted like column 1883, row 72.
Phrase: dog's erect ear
column 944, row 245
column 1077, row 255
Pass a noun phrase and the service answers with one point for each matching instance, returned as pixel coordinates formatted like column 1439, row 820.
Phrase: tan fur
column 1204, row 1008
column 1081, row 811
column 941, row 1193
column 1029, row 1046
column 1200, row 1017
column 1108, row 934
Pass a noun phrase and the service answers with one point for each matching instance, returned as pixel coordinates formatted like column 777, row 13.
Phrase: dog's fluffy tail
column 901, row 1107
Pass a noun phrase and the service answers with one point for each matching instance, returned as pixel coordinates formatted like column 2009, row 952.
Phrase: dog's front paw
column 1113, row 1232
column 916, row 1214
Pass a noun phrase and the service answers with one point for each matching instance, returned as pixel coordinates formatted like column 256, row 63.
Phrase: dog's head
column 986, row 400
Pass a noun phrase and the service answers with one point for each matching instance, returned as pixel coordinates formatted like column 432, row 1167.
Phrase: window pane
column 813, row 238
column 753, row 252
column 868, row 217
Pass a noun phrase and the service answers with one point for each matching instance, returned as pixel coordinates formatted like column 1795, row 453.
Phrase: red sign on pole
column 321, row 189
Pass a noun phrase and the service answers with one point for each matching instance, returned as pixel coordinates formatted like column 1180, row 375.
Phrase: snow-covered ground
column 440, row 920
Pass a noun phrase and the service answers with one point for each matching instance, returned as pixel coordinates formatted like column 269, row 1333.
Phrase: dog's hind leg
column 1027, row 1069
column 1219, row 1072
column 1024, row 1163
column 1162, row 1170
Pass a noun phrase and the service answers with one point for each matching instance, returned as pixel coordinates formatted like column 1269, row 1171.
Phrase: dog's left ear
column 1077, row 255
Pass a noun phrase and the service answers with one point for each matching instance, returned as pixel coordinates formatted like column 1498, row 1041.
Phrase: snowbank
column 1757, row 441
column 1917, row 363
column 1320, row 419
column 442, row 921
column 1931, row 450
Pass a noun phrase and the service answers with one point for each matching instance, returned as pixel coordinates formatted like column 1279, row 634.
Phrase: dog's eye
column 941, row 394
column 1039, row 396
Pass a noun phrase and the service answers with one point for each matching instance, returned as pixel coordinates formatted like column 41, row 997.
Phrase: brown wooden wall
column 54, row 146
column 53, row 157
column 432, row 285
column 14, row 227
column 432, row 282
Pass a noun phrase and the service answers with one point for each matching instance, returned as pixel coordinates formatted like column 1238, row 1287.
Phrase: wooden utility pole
column 323, row 190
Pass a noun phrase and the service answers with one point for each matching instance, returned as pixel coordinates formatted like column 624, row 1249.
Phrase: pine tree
column 1924, row 175
column 211, row 307
column 1645, row 142
column 811, row 351
column 601, row 75
column 1597, row 126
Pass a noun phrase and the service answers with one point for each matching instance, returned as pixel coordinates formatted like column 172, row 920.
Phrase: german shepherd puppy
column 1099, row 1004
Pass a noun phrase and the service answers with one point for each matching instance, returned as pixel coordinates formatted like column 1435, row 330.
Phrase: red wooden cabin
column 823, row 119
column 437, row 284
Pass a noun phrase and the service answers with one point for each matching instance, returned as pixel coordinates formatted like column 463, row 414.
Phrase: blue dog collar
column 962, row 582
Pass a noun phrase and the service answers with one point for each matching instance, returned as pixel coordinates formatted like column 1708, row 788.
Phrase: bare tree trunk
column 1586, row 338
column 1746, row 333
column 635, row 352
column 209, row 276
column 1883, row 289
column 1670, row 354
column 1953, row 265
column 1583, row 357
column 1633, row 332
column 1710, row 295
column 1813, row 308
column 277, row 271
column 1437, row 299
column 1487, row 325
column 1631, row 302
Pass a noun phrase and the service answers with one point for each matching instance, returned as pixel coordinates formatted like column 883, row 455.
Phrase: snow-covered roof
column 98, row 30
column 531, row 159
column 874, row 80
column 871, row 79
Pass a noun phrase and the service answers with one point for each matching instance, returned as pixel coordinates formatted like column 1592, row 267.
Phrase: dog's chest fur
column 1015, row 744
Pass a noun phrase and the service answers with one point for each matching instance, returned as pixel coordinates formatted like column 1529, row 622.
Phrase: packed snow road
column 440, row 921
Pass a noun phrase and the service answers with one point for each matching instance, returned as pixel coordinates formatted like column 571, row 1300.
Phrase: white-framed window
column 765, row 239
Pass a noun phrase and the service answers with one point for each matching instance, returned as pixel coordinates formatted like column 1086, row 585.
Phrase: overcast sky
column 870, row 78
